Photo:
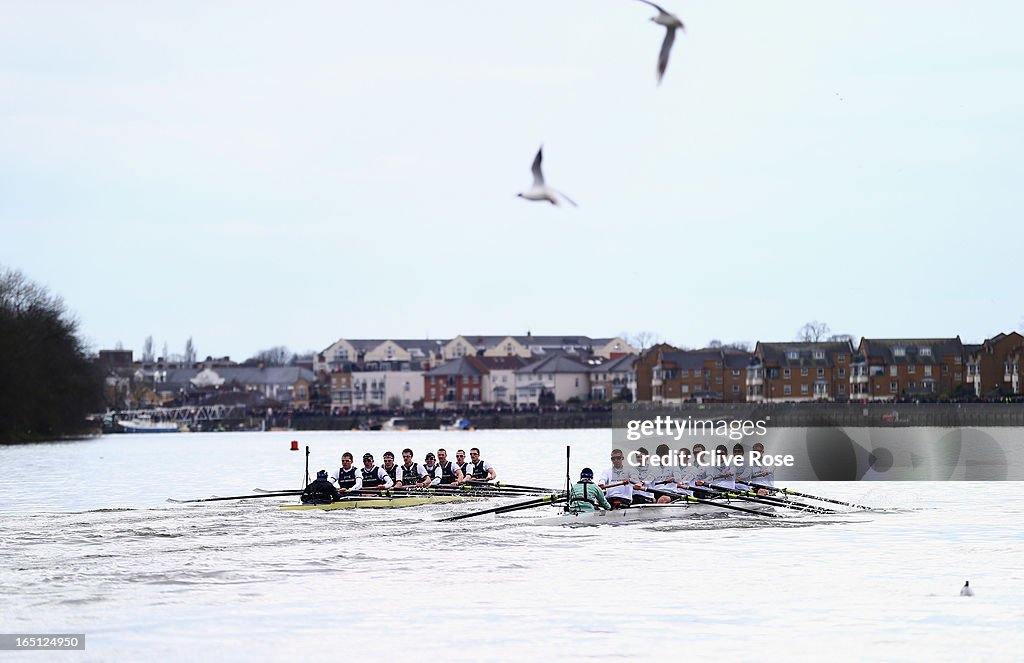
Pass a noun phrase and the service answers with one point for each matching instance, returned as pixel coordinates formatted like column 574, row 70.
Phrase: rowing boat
column 640, row 512
column 374, row 503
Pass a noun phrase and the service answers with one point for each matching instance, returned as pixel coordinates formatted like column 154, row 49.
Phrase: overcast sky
column 258, row 174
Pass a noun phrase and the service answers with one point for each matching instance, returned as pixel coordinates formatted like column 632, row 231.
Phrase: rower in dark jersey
column 390, row 467
column 450, row 472
column 373, row 476
column 348, row 477
column 412, row 475
column 479, row 469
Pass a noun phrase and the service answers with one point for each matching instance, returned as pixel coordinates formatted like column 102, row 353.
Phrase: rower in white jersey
column 666, row 475
column 700, row 476
column 721, row 472
column 762, row 476
column 410, row 473
column 743, row 470
column 618, row 496
column 348, row 477
column 432, row 471
column 646, row 476
column 685, row 473
column 373, row 476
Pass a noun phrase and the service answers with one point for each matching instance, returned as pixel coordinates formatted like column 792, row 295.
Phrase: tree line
column 48, row 385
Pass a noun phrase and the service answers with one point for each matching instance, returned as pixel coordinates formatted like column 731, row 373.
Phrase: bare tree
column 745, row 346
column 643, row 340
column 275, row 356
column 813, row 331
column 715, row 343
column 147, row 349
column 190, row 351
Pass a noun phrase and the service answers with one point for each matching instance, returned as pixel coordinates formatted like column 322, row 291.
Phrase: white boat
column 459, row 424
column 143, row 423
column 395, row 423
column 646, row 512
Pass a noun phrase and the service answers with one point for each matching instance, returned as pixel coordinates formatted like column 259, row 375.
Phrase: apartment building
column 887, row 369
column 992, row 368
column 799, row 371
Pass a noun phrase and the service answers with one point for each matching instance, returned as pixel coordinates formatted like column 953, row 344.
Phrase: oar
column 526, row 504
column 691, row 498
column 787, row 491
column 237, row 497
column 473, row 482
column 774, row 501
column 529, row 506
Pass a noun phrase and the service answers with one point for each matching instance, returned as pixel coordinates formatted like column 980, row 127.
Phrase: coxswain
column 450, row 472
column 390, row 467
column 347, row 477
column 763, row 476
column 373, row 476
column 431, row 470
column 480, row 470
column 618, row 496
column 320, row 491
column 585, row 496
column 411, row 473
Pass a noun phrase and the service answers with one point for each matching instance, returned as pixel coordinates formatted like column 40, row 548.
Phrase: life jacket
column 392, row 472
column 320, row 491
column 410, row 474
column 447, row 472
column 478, row 470
column 346, row 478
column 370, row 478
column 464, row 467
column 432, row 473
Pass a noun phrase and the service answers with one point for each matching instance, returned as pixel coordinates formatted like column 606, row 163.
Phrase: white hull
column 141, row 426
column 646, row 512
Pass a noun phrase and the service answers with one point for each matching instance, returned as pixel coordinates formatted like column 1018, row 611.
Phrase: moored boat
column 145, row 424
column 395, row 424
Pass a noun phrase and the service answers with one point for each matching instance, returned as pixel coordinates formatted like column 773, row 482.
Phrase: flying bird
column 540, row 190
column 671, row 22
column 966, row 589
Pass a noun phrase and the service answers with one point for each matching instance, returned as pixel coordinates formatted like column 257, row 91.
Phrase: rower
column 347, row 477
column 645, row 476
column 412, row 473
column 664, row 477
column 480, row 470
column 698, row 477
column 721, row 473
column 618, row 496
column 462, row 465
column 432, row 471
column 373, row 476
column 685, row 473
column 760, row 474
column 390, row 467
column 450, row 473
column 743, row 470
column 585, row 496
column 320, row 491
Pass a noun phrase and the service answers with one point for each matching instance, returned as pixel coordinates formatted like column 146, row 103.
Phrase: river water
column 90, row 545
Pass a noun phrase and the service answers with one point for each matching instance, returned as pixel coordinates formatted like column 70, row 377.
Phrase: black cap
column 367, row 456
column 322, row 474
column 429, row 457
column 586, row 473
column 388, row 454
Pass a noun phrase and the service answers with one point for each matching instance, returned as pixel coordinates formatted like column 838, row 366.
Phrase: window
column 821, row 372
column 958, row 376
column 804, row 371
column 735, row 389
column 841, row 358
column 894, row 387
column 958, row 360
column 842, row 372
column 686, row 388
column 735, row 372
column 786, row 373
column 945, row 369
column 684, row 372
column 894, row 370
column 803, row 389
column 787, row 389
column 911, row 369
column 718, row 379
column 925, row 352
column 842, row 387
column 819, row 354
column 577, row 382
column 792, row 354
column 928, row 370
column 899, row 351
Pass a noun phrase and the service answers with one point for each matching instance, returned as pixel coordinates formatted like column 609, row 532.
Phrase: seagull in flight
column 539, row 190
column 671, row 22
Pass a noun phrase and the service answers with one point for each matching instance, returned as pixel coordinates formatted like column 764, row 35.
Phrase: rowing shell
column 376, row 503
column 640, row 512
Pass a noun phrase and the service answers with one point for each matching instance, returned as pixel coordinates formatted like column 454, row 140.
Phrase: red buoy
column 295, row 445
